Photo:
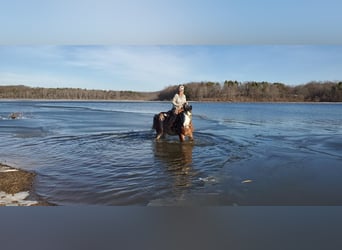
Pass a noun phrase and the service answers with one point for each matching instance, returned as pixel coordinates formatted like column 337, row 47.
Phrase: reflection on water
column 177, row 158
column 104, row 153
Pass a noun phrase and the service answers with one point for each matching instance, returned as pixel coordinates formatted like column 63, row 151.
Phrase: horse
column 182, row 125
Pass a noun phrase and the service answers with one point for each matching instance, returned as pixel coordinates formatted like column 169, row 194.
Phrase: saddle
column 172, row 119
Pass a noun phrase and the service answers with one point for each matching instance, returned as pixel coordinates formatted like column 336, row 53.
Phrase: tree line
column 234, row 91
column 228, row 91
column 24, row 92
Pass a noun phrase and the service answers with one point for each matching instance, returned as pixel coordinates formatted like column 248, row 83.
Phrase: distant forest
column 234, row 91
column 24, row 92
column 229, row 91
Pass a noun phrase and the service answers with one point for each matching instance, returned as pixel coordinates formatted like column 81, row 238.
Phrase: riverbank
column 16, row 188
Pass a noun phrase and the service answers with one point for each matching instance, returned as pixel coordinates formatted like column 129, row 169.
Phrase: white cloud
column 134, row 68
column 106, row 67
column 148, row 65
column 151, row 68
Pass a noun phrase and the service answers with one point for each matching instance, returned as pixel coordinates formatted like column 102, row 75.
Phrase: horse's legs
column 191, row 136
column 181, row 137
column 158, row 125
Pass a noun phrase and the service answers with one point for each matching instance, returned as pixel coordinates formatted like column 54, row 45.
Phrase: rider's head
column 181, row 88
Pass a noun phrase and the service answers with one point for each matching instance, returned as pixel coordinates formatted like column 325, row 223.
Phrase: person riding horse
column 177, row 121
column 178, row 101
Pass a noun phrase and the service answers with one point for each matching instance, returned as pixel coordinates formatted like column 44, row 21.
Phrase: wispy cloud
column 150, row 68
column 120, row 67
column 145, row 65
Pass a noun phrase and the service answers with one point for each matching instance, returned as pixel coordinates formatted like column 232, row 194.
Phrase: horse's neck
column 186, row 119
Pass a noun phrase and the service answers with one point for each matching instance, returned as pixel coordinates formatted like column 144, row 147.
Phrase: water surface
column 104, row 153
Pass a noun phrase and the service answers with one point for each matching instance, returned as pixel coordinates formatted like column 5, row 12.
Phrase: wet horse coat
column 182, row 126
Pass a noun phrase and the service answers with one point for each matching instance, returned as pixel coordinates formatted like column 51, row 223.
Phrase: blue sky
column 148, row 45
column 156, row 22
column 151, row 68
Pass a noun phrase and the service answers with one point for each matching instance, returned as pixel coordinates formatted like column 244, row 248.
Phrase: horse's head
column 186, row 119
column 186, row 115
column 187, row 108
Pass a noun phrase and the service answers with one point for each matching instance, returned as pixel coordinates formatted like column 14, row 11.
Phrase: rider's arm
column 174, row 100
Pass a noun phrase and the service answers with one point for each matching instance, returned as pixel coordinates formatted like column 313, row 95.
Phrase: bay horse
column 182, row 125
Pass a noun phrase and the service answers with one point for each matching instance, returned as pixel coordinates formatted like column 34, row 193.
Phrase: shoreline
column 17, row 188
column 141, row 100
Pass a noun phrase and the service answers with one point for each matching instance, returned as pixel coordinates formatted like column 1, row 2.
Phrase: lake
column 104, row 153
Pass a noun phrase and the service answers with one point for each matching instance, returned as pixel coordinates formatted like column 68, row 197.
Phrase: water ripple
column 128, row 168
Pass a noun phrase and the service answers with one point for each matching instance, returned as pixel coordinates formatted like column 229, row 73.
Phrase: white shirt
column 178, row 101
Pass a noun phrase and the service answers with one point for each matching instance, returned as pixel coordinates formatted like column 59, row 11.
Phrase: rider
column 178, row 101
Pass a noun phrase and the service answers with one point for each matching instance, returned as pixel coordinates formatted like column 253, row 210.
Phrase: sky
column 152, row 68
column 148, row 45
